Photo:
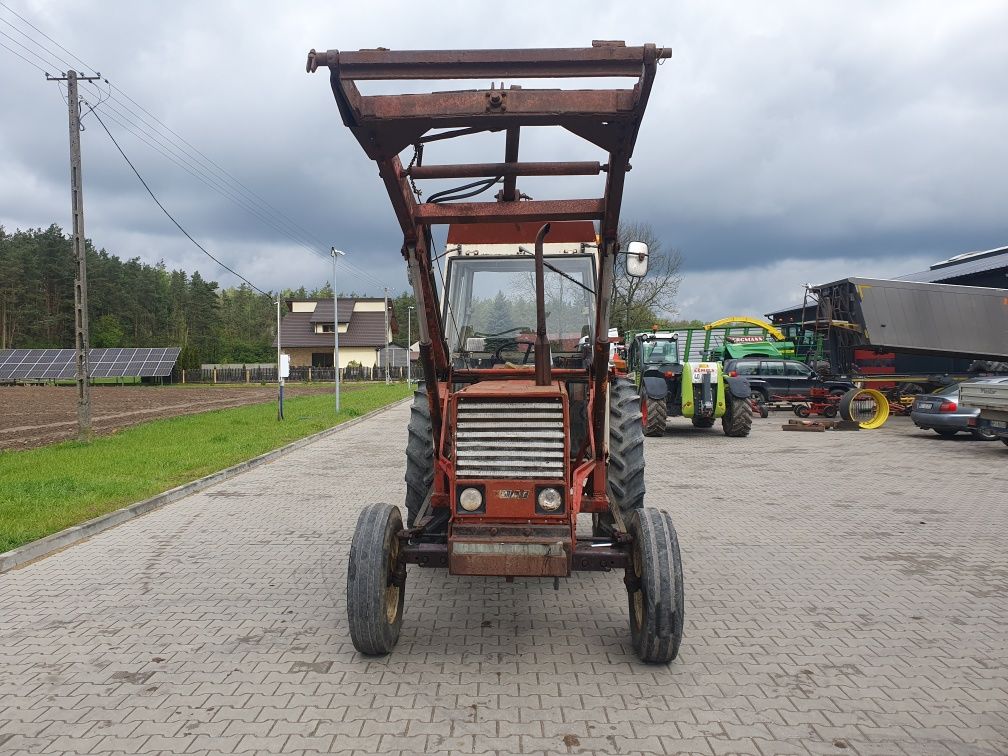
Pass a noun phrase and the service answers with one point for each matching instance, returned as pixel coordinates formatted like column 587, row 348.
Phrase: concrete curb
column 49, row 545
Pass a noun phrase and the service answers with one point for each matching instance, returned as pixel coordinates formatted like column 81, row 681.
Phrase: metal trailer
column 992, row 399
column 503, row 455
column 916, row 318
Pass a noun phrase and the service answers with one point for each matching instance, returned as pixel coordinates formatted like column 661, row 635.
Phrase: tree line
column 135, row 304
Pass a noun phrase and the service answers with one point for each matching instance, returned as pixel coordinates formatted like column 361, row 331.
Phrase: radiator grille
column 518, row 439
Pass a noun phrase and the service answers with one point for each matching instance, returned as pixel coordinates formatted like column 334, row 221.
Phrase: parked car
column 944, row 413
column 776, row 377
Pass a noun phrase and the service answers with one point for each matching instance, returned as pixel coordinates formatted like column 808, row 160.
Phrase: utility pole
column 336, row 254
column 387, row 379
column 280, row 383
column 81, row 339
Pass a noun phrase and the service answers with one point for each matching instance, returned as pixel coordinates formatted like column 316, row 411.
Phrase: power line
column 201, row 166
column 165, row 210
column 14, row 12
column 10, row 49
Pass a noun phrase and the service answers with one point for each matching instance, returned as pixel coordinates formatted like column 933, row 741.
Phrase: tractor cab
column 489, row 309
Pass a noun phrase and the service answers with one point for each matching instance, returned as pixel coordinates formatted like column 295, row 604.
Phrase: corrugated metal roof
column 976, row 262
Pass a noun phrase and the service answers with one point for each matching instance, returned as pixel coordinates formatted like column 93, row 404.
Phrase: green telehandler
column 701, row 391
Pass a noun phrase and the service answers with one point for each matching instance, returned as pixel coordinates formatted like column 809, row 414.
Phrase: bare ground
column 33, row 416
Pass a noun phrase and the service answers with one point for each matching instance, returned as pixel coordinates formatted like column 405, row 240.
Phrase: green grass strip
column 46, row 490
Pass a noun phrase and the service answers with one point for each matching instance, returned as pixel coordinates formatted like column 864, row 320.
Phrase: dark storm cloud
column 780, row 139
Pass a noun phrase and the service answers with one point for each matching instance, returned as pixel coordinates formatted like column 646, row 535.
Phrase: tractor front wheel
column 737, row 419
column 654, row 581
column 653, row 415
column 375, row 584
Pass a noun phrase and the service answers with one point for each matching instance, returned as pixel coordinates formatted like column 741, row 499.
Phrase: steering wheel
column 510, row 344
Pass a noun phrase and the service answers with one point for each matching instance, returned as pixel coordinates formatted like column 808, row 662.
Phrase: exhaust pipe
column 543, row 358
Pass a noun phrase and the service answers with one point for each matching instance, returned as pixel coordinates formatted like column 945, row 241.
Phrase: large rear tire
column 420, row 467
column 626, row 455
column 654, row 413
column 655, row 587
column 374, row 594
column 737, row 419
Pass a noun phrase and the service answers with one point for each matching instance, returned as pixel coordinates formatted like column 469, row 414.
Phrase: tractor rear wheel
column 654, row 413
column 703, row 422
column 654, row 580
column 626, row 456
column 375, row 590
column 420, row 466
column 737, row 419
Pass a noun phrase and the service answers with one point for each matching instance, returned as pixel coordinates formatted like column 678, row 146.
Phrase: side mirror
column 637, row 259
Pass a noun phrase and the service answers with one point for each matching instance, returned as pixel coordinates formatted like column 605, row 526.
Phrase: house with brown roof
column 306, row 333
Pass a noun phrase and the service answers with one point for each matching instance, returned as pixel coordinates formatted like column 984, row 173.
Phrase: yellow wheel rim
column 638, row 595
column 392, row 590
column 869, row 409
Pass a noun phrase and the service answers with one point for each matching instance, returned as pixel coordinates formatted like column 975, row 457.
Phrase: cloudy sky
column 785, row 142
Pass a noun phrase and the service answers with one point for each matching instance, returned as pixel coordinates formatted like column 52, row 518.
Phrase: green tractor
column 700, row 391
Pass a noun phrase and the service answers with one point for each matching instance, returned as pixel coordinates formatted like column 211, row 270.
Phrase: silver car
column 942, row 412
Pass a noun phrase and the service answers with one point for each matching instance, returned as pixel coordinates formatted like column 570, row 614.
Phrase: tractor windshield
column 660, row 351
column 491, row 304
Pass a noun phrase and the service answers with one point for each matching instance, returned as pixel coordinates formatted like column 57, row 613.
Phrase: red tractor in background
column 519, row 426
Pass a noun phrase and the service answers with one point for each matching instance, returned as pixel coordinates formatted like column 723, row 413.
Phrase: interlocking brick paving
column 847, row 593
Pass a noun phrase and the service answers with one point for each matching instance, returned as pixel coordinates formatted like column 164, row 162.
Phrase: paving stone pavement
column 847, row 593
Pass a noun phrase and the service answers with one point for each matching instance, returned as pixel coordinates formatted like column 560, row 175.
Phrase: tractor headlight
column 549, row 500
column 471, row 499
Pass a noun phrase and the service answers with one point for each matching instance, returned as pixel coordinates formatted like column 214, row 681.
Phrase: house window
column 326, row 328
column 322, row 359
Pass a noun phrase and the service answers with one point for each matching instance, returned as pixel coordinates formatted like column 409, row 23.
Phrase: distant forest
column 134, row 304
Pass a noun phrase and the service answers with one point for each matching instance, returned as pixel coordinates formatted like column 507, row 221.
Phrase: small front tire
column 654, row 413
column 375, row 592
column 655, row 587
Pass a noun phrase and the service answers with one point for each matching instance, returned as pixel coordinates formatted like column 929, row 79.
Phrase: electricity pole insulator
column 81, row 338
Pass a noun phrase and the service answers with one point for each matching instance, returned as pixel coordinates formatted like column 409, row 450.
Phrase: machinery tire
column 802, row 410
column 625, row 475
column 737, row 419
column 830, row 410
column 420, row 465
column 374, row 601
column 655, row 587
column 945, row 433
column 654, row 413
column 703, row 422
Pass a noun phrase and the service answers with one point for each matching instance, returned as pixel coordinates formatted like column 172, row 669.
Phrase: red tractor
column 519, row 426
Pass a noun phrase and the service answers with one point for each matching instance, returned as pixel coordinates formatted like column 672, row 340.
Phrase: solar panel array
column 57, row 364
